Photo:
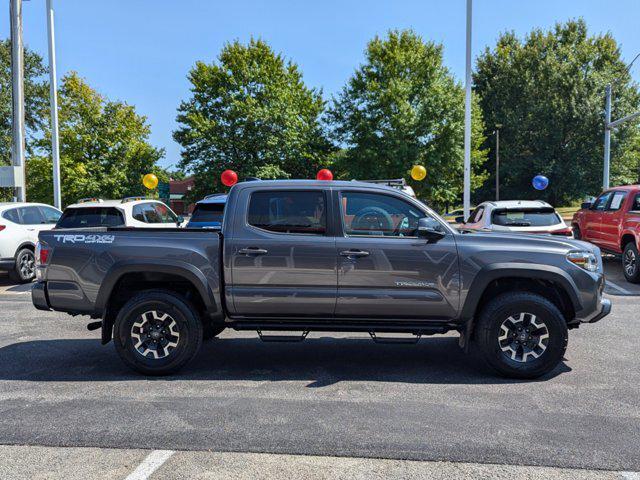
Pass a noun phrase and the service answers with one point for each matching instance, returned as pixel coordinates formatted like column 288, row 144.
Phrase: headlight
column 584, row 259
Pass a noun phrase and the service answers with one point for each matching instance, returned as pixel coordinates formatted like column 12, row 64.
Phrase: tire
column 497, row 332
column 631, row 263
column 178, row 340
column 25, row 269
column 576, row 233
column 211, row 330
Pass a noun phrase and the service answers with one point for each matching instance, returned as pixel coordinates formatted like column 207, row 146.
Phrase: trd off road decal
column 85, row 238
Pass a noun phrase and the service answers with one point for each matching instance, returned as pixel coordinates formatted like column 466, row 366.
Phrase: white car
column 20, row 224
column 129, row 212
column 524, row 216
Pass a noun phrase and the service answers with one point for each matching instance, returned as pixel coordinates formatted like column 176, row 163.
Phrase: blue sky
column 140, row 51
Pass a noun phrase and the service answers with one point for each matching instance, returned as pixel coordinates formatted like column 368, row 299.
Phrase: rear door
column 283, row 254
column 384, row 269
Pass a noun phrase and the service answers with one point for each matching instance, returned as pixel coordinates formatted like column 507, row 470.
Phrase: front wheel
column 521, row 335
column 630, row 265
column 157, row 332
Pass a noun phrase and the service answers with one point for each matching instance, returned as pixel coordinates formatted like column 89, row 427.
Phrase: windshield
column 90, row 217
column 208, row 213
column 525, row 217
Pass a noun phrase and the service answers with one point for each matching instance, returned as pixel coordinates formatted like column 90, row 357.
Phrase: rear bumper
column 39, row 296
column 7, row 264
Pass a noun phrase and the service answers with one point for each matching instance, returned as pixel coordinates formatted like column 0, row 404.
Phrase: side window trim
column 325, row 194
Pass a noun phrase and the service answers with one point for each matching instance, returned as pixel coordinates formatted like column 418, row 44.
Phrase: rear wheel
column 521, row 335
column 630, row 265
column 25, row 268
column 157, row 332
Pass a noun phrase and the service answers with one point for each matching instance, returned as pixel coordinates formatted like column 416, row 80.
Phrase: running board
column 282, row 338
column 395, row 340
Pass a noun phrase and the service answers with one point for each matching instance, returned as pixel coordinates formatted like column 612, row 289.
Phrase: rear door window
column 91, row 217
column 153, row 213
column 289, row 211
column 525, row 217
column 30, row 216
column 636, row 203
column 208, row 213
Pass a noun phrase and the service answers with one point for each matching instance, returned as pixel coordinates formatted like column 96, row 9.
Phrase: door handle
column 354, row 253
column 252, row 251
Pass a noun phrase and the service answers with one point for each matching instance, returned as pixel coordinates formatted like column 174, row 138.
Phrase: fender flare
column 174, row 267
column 496, row 271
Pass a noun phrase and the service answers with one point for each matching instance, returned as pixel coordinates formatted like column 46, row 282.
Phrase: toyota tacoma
column 302, row 256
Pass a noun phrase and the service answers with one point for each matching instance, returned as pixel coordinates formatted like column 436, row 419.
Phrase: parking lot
column 329, row 407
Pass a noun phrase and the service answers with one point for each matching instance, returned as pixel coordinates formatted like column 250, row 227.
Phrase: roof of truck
column 314, row 183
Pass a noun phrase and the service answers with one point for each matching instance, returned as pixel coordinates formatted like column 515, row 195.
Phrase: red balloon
column 229, row 178
column 324, row 174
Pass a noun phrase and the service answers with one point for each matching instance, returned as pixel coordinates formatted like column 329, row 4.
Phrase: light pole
column 17, row 93
column 497, row 132
column 53, row 100
column 466, row 195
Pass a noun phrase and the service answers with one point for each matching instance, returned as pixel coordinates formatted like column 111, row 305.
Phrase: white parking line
column 630, row 475
column 618, row 287
column 150, row 464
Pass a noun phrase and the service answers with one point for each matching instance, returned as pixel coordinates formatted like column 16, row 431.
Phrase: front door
column 283, row 261
column 384, row 269
column 593, row 219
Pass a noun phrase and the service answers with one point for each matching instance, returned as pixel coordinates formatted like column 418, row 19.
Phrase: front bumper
column 39, row 296
column 605, row 309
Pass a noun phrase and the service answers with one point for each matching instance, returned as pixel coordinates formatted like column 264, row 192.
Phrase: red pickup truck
column 612, row 222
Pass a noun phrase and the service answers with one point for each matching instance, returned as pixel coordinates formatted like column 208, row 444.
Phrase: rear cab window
column 525, row 217
column 208, row 213
column 293, row 212
column 91, row 217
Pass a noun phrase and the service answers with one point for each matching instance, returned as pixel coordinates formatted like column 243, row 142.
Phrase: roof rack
column 394, row 182
column 132, row 199
column 90, row 199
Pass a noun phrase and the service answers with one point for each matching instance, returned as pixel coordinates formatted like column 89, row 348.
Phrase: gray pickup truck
column 301, row 256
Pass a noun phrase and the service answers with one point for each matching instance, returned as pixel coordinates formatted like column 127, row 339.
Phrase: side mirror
column 427, row 231
column 585, row 205
column 180, row 220
column 459, row 220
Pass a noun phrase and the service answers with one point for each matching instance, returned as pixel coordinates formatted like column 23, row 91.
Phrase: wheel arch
column 547, row 281
column 29, row 245
column 627, row 237
column 128, row 278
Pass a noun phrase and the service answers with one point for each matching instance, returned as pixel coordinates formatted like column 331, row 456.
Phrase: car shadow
column 320, row 361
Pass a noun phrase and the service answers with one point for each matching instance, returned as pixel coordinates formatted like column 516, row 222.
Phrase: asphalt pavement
column 336, row 400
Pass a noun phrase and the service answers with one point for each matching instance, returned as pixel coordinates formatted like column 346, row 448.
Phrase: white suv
column 128, row 212
column 20, row 224
column 523, row 216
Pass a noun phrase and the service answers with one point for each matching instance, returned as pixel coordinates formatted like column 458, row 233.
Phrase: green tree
column 104, row 148
column 251, row 112
column 36, row 98
column 547, row 91
column 401, row 108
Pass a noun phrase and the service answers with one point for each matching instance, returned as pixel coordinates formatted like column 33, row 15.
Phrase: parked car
column 324, row 256
column 129, row 212
column 208, row 212
column 20, row 224
column 612, row 222
column 397, row 183
column 522, row 216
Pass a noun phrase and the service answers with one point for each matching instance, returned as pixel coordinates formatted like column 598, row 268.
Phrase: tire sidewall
column 513, row 306
column 17, row 272
column 189, row 328
column 635, row 278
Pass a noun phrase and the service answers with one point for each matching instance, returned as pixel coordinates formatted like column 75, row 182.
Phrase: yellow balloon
column 418, row 172
column 150, row 181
